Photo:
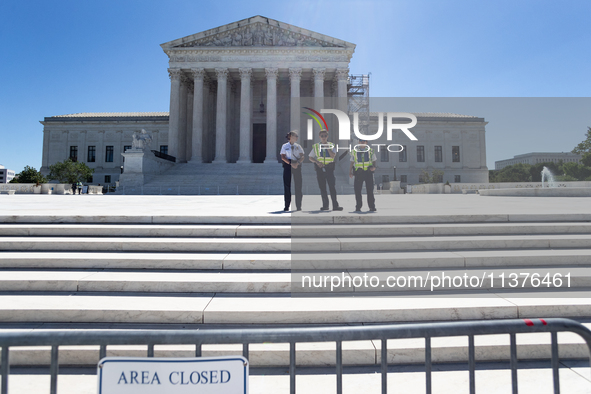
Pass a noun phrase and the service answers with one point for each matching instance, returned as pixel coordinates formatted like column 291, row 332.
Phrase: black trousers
column 367, row 177
column 288, row 171
column 326, row 175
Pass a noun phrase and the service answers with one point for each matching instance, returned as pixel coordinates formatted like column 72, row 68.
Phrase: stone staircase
column 209, row 274
column 228, row 179
column 212, row 179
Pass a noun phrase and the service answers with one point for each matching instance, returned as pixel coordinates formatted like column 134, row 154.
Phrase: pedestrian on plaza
column 292, row 156
column 79, row 187
column 363, row 165
column 322, row 155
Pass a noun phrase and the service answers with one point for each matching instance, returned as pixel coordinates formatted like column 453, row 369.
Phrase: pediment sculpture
column 258, row 35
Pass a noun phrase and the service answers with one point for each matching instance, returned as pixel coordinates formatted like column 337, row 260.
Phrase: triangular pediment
column 257, row 31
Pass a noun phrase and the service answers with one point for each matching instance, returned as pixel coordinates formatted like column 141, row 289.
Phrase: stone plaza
column 199, row 262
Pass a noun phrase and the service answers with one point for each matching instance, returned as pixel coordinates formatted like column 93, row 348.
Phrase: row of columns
column 183, row 96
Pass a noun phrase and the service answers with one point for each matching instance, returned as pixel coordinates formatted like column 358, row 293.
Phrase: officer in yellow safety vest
column 322, row 155
column 363, row 165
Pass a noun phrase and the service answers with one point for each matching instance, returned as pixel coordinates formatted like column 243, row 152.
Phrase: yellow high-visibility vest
column 323, row 159
column 364, row 165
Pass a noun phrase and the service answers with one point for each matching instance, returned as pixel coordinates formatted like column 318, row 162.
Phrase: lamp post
column 394, row 174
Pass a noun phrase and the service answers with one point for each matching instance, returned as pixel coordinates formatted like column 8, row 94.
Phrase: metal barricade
column 305, row 334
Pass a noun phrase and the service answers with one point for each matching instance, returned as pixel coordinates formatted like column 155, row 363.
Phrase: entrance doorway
column 259, row 142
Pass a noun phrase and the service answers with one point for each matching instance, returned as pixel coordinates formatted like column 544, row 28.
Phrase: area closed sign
column 207, row 375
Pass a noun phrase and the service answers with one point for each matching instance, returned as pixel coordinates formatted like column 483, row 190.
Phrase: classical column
column 213, row 93
column 318, row 95
column 182, row 133
column 197, row 132
column 220, row 120
column 207, row 113
column 271, row 156
column 295, row 76
column 229, row 125
column 245, row 115
column 188, row 141
column 173, row 122
column 235, row 122
column 342, row 74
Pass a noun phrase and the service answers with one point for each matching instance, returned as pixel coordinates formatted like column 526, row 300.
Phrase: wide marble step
column 142, row 244
column 314, row 281
column 297, row 245
column 159, row 261
column 283, row 309
column 287, row 230
column 476, row 242
column 367, row 352
column 146, row 230
column 429, row 229
column 152, row 282
column 193, row 214
column 299, row 261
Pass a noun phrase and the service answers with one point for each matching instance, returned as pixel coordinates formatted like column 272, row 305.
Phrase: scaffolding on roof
column 358, row 98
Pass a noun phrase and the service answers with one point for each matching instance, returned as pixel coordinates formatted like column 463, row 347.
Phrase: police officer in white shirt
column 292, row 156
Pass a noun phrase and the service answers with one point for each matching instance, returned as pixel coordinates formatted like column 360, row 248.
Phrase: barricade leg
column 54, row 369
column 5, row 369
column 339, row 366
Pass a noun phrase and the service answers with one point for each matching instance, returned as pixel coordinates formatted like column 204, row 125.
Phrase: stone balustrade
column 458, row 188
column 55, row 188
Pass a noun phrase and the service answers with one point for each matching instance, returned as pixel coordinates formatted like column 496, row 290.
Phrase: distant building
column 6, row 175
column 452, row 143
column 539, row 157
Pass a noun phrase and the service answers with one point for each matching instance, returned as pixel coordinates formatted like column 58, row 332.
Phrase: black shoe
column 324, row 208
column 299, row 209
column 357, row 209
column 286, row 209
column 337, row 209
column 372, row 210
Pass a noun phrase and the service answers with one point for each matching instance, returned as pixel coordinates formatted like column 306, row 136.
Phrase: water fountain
column 551, row 190
column 546, row 173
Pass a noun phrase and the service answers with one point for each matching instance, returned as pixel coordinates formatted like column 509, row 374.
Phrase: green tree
column 29, row 175
column 584, row 146
column 586, row 159
column 492, row 176
column 577, row 171
column 516, row 173
column 435, row 177
column 68, row 171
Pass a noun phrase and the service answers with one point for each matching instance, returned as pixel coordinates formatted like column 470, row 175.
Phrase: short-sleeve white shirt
column 294, row 151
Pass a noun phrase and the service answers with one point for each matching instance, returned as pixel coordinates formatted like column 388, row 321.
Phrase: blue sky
column 104, row 56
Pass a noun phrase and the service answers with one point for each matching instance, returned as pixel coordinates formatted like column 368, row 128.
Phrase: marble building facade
column 236, row 90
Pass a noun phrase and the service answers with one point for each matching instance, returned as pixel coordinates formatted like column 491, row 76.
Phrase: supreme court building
column 235, row 92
